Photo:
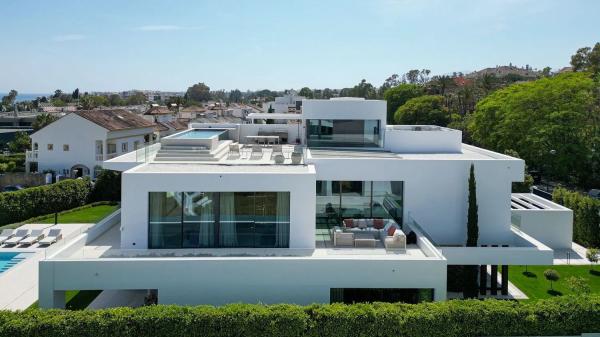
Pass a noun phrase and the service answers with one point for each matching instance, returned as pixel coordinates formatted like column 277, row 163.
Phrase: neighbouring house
column 288, row 103
column 339, row 207
column 168, row 128
column 160, row 114
column 78, row 143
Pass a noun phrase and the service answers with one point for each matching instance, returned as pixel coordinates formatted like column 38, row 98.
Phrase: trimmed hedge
column 558, row 316
column 30, row 202
column 586, row 216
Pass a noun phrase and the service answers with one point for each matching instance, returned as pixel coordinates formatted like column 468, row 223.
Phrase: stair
column 185, row 153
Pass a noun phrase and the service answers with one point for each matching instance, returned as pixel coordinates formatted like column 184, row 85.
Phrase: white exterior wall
column 218, row 281
column 137, row 185
column 436, row 191
column 410, row 141
column 345, row 108
column 79, row 133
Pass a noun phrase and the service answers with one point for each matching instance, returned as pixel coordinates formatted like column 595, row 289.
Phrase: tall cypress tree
column 471, row 272
column 472, row 226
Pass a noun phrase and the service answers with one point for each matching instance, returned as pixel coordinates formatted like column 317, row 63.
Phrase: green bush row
column 586, row 216
column 31, row 202
column 41, row 217
column 566, row 315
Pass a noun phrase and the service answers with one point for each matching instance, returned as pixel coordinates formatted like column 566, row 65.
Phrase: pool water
column 9, row 260
column 199, row 134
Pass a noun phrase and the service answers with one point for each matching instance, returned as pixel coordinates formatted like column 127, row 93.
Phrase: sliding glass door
column 219, row 219
column 343, row 133
column 337, row 200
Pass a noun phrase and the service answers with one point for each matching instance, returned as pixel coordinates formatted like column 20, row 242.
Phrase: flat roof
column 262, row 115
column 185, row 167
column 468, row 152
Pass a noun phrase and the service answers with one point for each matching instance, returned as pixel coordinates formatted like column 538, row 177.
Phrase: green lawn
column 533, row 283
column 86, row 215
column 76, row 299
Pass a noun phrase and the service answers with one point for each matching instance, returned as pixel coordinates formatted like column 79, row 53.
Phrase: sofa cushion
column 361, row 223
column 349, row 223
column 378, row 223
column 391, row 230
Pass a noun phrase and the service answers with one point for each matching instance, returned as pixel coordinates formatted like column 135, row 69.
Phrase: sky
column 113, row 45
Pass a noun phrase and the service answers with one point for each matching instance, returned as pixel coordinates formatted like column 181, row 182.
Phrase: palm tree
column 42, row 120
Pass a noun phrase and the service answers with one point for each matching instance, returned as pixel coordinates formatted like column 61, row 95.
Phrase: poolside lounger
column 19, row 235
column 53, row 236
column 6, row 234
column 234, row 149
column 35, row 236
column 256, row 151
column 277, row 150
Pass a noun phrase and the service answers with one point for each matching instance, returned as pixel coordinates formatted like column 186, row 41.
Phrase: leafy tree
column 115, row 100
column 57, row 102
column 75, row 94
column 470, row 271
column 546, row 72
column 93, row 101
column 552, row 276
column 554, row 122
column 57, row 93
column 363, row 89
column 399, row 95
column 199, row 92
column 107, row 186
column 592, row 255
column 587, row 59
column 416, row 76
column 20, row 143
column 137, row 98
column 427, row 109
column 306, row 92
column 42, row 120
column 8, row 100
column 327, row 93
column 235, row 96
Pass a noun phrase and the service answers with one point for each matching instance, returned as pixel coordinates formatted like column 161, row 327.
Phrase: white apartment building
column 77, row 144
column 359, row 210
column 288, row 103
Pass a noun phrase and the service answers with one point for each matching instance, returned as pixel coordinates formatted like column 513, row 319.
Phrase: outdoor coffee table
column 365, row 239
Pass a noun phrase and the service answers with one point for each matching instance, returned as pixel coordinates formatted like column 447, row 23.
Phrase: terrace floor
column 107, row 245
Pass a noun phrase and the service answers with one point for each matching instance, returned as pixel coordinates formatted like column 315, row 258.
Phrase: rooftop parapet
column 422, row 139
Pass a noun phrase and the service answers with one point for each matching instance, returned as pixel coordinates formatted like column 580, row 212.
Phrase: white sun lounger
column 6, row 234
column 35, row 236
column 19, row 235
column 53, row 236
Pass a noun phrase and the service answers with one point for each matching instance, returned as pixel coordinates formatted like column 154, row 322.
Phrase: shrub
column 31, row 202
column 578, row 284
column 107, row 186
column 592, row 256
column 552, row 276
column 586, row 216
column 567, row 315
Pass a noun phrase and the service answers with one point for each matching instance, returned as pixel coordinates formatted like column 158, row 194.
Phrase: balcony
column 31, row 155
column 99, row 157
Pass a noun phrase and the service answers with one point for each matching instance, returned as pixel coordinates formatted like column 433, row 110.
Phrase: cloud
column 68, row 37
column 163, row 28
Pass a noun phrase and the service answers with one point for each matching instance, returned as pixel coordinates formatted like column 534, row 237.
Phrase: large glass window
column 337, row 200
column 343, row 133
column 219, row 219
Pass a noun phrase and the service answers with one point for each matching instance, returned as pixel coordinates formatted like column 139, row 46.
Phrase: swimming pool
column 9, row 260
column 199, row 134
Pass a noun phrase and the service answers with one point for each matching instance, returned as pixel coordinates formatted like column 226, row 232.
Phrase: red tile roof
column 115, row 119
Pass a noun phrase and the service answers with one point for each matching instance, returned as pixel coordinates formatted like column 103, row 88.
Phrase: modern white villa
column 77, row 144
column 338, row 207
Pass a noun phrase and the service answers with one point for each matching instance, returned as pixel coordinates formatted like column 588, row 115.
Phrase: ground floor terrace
column 252, row 275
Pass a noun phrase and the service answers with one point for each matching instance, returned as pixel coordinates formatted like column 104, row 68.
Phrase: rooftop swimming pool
column 9, row 260
column 199, row 134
